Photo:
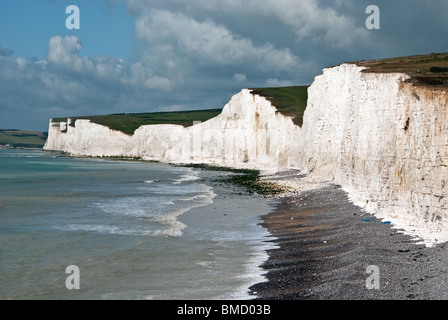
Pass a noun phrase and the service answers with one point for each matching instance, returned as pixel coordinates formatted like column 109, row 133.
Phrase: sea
column 84, row 228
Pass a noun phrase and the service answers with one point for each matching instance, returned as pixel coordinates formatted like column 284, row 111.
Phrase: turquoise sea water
column 135, row 230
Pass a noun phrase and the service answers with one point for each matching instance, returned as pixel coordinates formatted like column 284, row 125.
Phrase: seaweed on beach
column 247, row 180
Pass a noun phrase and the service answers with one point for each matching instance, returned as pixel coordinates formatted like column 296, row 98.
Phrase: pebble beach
column 327, row 248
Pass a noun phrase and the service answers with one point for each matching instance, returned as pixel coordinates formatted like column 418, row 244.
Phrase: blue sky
column 27, row 25
column 167, row 55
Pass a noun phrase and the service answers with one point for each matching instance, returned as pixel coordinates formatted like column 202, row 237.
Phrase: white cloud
column 64, row 52
column 160, row 83
column 239, row 78
column 208, row 43
column 64, row 55
column 274, row 82
column 308, row 19
column 21, row 62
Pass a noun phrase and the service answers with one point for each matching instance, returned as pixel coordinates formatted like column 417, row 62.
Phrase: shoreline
column 325, row 244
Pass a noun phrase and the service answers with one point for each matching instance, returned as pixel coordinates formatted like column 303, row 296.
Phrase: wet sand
column 325, row 244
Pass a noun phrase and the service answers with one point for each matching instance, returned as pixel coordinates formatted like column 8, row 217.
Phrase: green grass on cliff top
column 129, row 122
column 426, row 69
column 290, row 101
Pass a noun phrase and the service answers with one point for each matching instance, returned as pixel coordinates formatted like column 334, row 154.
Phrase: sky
column 169, row 55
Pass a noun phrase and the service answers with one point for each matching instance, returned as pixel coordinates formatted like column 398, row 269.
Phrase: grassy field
column 129, row 122
column 290, row 101
column 22, row 139
column 429, row 69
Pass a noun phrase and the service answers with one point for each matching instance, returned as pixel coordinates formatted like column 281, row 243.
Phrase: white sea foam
column 252, row 272
column 103, row 229
column 173, row 226
column 162, row 211
column 185, row 178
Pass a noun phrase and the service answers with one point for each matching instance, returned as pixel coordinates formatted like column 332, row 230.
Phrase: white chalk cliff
column 382, row 139
column 249, row 132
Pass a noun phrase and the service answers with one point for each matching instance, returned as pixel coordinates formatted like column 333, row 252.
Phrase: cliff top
column 129, row 122
column 289, row 101
column 429, row 69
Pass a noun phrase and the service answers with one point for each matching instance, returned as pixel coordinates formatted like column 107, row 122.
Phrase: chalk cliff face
column 387, row 142
column 383, row 139
column 249, row 132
